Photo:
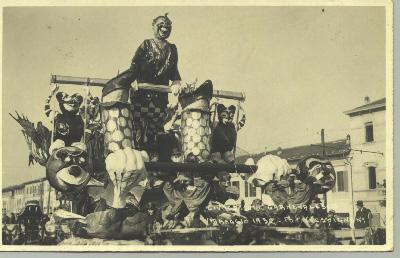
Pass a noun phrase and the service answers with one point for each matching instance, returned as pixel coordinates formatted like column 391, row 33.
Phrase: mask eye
column 317, row 166
column 61, row 154
column 82, row 160
column 328, row 166
column 67, row 159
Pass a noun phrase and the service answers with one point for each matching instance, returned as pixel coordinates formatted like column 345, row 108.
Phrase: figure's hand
column 125, row 168
column 176, row 89
column 270, row 167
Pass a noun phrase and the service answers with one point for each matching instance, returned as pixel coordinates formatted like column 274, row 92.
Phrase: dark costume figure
column 155, row 62
column 94, row 137
column 225, row 132
column 68, row 125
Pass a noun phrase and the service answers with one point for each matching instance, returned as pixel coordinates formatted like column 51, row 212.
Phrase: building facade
column 14, row 198
column 367, row 158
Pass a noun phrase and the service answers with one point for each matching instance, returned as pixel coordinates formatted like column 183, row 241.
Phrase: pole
column 348, row 162
column 60, row 79
column 205, row 167
column 323, row 155
column 85, row 108
column 323, row 142
column 351, row 183
column 48, row 201
column 237, row 126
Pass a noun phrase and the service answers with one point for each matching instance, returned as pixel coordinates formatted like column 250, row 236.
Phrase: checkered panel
column 148, row 122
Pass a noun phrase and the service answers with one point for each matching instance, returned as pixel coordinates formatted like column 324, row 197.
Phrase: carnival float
column 139, row 171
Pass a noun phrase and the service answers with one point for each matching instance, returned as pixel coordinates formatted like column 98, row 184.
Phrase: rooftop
column 333, row 149
column 377, row 105
column 13, row 187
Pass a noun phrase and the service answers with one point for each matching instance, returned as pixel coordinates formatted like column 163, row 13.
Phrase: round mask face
column 66, row 169
column 321, row 172
column 162, row 28
column 70, row 103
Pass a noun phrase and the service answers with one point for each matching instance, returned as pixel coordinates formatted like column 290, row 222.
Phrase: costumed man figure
column 225, row 133
column 132, row 120
column 155, row 62
column 68, row 125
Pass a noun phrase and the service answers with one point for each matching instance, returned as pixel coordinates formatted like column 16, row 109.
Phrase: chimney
column 366, row 100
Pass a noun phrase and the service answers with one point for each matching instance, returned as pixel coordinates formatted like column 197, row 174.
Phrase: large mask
column 162, row 27
column 66, row 169
column 225, row 114
column 319, row 172
column 69, row 103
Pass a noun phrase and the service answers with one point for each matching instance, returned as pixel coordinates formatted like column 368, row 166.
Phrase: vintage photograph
column 197, row 128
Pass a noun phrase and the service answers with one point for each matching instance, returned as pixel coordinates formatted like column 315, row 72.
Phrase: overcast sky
column 300, row 67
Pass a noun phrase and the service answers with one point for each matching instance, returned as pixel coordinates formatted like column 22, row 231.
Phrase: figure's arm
column 175, row 76
column 47, row 109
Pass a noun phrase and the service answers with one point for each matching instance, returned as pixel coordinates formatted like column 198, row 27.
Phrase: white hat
column 267, row 167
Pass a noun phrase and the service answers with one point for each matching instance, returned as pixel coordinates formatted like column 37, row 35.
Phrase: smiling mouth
column 164, row 31
column 66, row 177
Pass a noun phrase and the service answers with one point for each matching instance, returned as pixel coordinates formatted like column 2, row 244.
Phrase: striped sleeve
column 242, row 122
column 47, row 108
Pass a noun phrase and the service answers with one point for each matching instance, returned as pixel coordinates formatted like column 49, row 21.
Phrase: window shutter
column 345, row 181
column 340, row 181
column 372, row 177
column 369, row 132
column 246, row 189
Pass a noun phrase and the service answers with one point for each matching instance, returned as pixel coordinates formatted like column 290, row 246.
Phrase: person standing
column 363, row 216
column 155, row 62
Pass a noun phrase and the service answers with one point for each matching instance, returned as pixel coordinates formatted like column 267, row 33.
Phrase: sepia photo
column 219, row 127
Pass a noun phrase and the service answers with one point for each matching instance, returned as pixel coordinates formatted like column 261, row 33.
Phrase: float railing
column 87, row 81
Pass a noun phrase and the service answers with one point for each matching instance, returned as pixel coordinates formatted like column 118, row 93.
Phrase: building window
column 249, row 190
column 372, row 177
column 369, row 132
column 342, row 181
column 253, row 190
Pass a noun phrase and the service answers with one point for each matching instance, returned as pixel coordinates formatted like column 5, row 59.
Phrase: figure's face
column 162, row 28
column 176, row 156
column 256, row 207
column 322, row 173
column 224, row 117
column 70, row 103
column 93, row 106
column 65, row 169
